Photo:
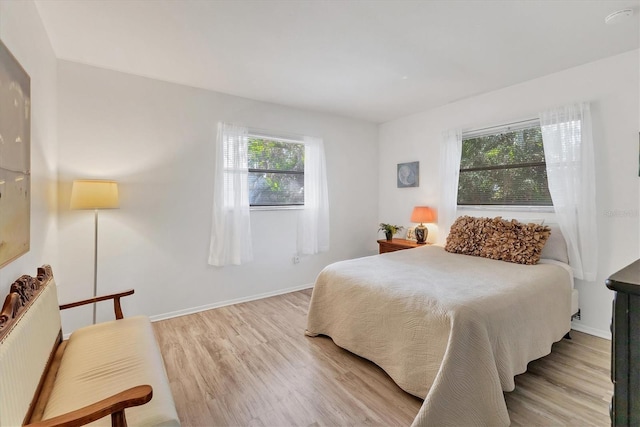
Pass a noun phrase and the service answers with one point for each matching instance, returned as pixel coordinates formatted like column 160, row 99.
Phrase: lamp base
column 421, row 234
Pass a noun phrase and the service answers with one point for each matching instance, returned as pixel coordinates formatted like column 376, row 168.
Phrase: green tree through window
column 506, row 168
column 276, row 172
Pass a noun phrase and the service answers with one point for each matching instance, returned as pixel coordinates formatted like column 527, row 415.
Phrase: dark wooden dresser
column 625, row 346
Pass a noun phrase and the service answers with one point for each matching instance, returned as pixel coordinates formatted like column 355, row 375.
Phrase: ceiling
column 374, row 60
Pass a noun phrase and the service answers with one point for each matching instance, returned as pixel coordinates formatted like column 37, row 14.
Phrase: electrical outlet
column 296, row 259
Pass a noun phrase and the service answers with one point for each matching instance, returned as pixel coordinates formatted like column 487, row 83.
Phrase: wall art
column 15, row 158
column 408, row 174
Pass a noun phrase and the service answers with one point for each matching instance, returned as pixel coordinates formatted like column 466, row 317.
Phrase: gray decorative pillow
column 556, row 246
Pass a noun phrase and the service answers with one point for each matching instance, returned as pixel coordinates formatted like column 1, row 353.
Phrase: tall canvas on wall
column 15, row 158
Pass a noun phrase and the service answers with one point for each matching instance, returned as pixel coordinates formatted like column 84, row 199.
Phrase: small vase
column 389, row 235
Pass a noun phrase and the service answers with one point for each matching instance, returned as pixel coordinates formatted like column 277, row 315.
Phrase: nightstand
column 396, row 245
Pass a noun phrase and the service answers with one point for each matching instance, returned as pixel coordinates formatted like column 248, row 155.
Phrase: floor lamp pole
column 95, row 264
column 94, row 194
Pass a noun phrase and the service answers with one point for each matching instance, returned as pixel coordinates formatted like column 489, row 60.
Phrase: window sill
column 506, row 208
column 276, row 208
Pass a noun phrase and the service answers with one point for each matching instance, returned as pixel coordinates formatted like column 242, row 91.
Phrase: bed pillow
column 495, row 238
column 467, row 235
column 513, row 241
column 556, row 246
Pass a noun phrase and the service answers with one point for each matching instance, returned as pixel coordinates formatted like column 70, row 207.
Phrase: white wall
column 22, row 32
column 611, row 85
column 157, row 140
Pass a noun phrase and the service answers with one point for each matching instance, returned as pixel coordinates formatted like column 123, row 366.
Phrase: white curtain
column 450, row 154
column 313, row 224
column 231, row 229
column 568, row 150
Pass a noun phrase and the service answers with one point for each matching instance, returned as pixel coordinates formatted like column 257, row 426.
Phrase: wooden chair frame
column 21, row 295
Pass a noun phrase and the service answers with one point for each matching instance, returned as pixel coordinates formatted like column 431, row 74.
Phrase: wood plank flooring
column 251, row 365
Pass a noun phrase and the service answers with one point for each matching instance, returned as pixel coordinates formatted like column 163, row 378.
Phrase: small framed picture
column 411, row 234
column 408, row 174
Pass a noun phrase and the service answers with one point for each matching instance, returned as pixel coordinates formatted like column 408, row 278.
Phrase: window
column 504, row 166
column 276, row 171
column 259, row 170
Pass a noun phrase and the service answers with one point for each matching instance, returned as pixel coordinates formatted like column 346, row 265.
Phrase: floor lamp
column 94, row 194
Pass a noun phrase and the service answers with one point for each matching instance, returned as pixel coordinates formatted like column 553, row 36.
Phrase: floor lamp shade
column 94, row 194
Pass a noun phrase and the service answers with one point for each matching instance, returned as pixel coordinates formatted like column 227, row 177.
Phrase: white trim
column 219, row 304
column 511, row 208
column 276, row 136
column 198, row 309
column 276, row 208
column 591, row 331
column 503, row 128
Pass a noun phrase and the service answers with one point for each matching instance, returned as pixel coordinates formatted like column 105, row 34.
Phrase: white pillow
column 556, row 247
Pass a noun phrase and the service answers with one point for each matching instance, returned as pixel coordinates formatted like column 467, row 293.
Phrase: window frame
column 257, row 134
column 494, row 130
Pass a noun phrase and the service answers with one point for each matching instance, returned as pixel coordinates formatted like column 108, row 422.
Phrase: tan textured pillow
column 498, row 239
column 516, row 242
column 467, row 235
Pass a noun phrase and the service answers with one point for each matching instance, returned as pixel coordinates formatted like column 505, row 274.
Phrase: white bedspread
column 452, row 329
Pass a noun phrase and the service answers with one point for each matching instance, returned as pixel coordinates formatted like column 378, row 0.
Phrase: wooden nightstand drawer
column 396, row 245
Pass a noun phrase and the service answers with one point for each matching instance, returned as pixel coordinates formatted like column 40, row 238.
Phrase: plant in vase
column 389, row 230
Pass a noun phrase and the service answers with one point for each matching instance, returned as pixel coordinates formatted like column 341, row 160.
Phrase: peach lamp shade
column 422, row 214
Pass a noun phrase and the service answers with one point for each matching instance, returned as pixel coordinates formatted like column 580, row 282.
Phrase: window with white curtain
column 504, row 166
column 569, row 170
column 251, row 170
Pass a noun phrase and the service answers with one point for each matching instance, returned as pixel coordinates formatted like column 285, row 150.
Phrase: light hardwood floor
column 251, row 365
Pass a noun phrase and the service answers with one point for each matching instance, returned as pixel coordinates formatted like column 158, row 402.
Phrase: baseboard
column 219, row 304
column 591, row 331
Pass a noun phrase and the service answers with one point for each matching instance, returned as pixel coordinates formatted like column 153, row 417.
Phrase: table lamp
column 422, row 214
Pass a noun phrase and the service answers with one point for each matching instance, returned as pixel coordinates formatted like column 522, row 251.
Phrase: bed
column 449, row 328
